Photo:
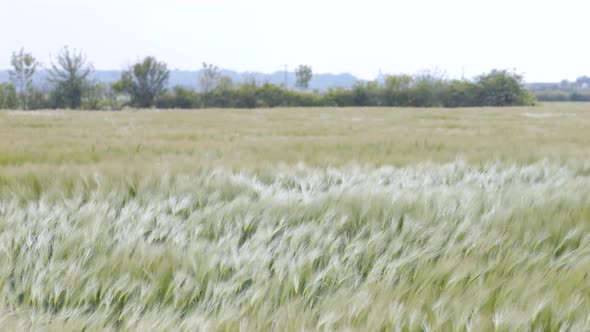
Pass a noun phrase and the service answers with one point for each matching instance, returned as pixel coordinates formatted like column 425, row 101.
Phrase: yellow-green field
column 172, row 139
column 296, row 219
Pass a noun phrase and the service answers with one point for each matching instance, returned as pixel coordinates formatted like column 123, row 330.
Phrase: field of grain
column 296, row 219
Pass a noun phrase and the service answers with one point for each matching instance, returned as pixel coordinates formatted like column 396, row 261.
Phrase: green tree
column 39, row 99
column 222, row 96
column 304, row 75
column 24, row 66
column 461, row 93
column 225, row 83
column 69, row 76
column 397, row 90
column 179, row 97
column 95, row 96
column 503, row 88
column 145, row 81
column 8, row 96
column 428, row 89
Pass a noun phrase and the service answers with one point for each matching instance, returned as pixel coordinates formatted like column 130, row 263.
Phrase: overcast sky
column 544, row 40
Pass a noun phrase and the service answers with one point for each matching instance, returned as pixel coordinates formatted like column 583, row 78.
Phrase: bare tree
column 24, row 67
column 209, row 77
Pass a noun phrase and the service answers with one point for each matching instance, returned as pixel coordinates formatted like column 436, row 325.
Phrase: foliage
column 39, row 98
column 95, row 96
column 561, row 96
column 179, row 98
column 304, row 74
column 8, row 96
column 579, row 96
column 145, row 81
column 144, row 85
column 338, row 97
column 433, row 90
column 461, row 93
column 69, row 76
column 24, row 66
column 426, row 90
column 396, row 90
column 209, row 77
column 502, row 88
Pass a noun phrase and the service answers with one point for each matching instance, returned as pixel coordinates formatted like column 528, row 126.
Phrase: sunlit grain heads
column 422, row 247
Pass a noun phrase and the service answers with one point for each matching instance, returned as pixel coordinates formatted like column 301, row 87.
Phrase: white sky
column 545, row 40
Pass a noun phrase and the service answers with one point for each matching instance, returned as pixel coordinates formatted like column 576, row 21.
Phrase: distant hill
column 321, row 82
column 189, row 79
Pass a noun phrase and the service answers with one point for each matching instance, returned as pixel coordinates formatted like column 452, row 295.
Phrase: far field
column 296, row 219
column 171, row 139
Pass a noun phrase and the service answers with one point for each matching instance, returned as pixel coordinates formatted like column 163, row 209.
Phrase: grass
column 296, row 219
column 152, row 141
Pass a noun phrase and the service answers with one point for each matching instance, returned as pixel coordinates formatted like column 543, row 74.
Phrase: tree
column 428, row 88
column 304, row 75
column 225, row 83
column 115, row 97
column 69, row 75
column 145, row 81
column 397, row 89
column 179, row 97
column 209, row 79
column 503, row 88
column 94, row 96
column 461, row 93
column 8, row 96
column 24, row 66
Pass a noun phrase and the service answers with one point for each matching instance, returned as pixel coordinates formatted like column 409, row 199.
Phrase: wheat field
column 296, row 220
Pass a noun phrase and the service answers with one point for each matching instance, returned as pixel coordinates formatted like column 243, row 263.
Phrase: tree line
column 578, row 90
column 145, row 84
column 562, row 96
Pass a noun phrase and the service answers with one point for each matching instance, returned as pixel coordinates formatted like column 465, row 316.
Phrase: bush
column 578, row 96
column 396, row 90
column 8, row 96
column 339, row 97
column 39, row 99
column 461, row 94
column 179, row 98
column 553, row 96
column 562, row 96
column 497, row 88
column 503, row 88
